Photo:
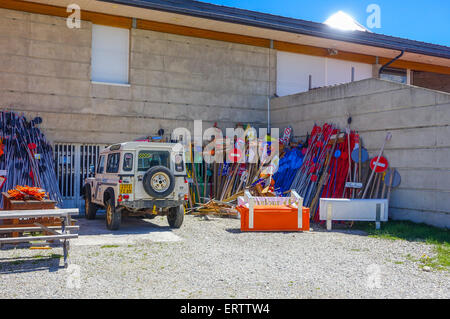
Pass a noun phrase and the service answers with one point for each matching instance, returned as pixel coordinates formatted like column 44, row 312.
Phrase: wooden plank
column 34, row 229
column 38, row 213
column 47, row 230
column 13, row 204
column 107, row 19
column 202, row 33
column 94, row 17
column 357, row 57
column 323, row 52
column 416, row 66
column 36, row 238
column 28, row 222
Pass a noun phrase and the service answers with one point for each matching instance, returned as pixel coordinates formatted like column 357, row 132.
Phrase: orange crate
column 274, row 218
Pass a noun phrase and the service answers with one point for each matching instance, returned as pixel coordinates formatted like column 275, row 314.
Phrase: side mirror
column 92, row 169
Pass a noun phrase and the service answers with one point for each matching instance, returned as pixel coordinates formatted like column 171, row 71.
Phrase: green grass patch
column 439, row 262
column 443, row 255
column 405, row 230
column 109, row 246
column 395, row 230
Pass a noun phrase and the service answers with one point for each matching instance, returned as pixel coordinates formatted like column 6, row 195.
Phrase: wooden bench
column 52, row 234
column 10, row 203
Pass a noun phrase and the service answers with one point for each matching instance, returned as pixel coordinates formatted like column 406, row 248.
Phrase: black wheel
column 90, row 208
column 158, row 182
column 113, row 215
column 176, row 216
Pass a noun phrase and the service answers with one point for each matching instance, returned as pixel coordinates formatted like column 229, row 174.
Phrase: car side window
column 127, row 162
column 112, row 165
column 101, row 165
column 179, row 163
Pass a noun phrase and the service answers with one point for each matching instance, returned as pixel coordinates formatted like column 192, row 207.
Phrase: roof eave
column 357, row 37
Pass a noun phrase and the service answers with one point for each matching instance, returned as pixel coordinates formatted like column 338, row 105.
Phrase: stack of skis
column 331, row 163
column 216, row 186
column 336, row 165
column 26, row 157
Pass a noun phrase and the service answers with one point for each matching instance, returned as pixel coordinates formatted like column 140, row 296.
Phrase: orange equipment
column 274, row 214
column 27, row 192
column 274, row 218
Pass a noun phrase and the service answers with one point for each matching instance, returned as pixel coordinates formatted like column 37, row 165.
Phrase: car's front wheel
column 113, row 215
column 176, row 216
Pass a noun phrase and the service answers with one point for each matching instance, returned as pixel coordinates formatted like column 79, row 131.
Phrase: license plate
column 126, row 188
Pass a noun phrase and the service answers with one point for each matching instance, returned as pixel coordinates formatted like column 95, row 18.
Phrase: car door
column 98, row 194
column 127, row 186
column 110, row 177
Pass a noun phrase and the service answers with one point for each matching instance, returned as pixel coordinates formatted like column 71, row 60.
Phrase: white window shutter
column 110, row 54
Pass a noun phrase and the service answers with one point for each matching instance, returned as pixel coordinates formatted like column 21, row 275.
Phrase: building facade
column 131, row 68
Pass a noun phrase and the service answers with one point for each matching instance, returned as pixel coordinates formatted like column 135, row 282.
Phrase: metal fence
column 72, row 162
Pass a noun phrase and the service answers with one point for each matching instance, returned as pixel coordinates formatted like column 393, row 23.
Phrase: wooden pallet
column 13, row 204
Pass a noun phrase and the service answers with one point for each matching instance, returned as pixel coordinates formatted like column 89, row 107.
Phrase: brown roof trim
column 125, row 22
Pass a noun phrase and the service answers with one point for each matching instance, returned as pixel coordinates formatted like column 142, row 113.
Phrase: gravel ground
column 213, row 259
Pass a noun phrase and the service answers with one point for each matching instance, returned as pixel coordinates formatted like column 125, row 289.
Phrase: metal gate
column 72, row 162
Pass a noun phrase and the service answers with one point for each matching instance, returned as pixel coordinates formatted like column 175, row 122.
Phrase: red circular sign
column 382, row 164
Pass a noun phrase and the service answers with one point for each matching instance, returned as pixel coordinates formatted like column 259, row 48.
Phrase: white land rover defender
column 138, row 179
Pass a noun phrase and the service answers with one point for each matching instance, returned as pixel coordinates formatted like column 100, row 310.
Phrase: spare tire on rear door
column 158, row 181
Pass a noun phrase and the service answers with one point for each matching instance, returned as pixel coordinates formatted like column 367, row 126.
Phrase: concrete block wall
column 45, row 70
column 419, row 121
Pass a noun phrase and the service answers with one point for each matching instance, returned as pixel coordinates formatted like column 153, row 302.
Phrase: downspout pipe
column 390, row 62
column 269, row 99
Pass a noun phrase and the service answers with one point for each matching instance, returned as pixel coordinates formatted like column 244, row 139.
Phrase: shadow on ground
column 15, row 265
column 129, row 226
column 131, row 231
column 315, row 227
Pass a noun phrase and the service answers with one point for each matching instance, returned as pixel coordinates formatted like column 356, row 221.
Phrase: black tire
column 166, row 177
column 113, row 215
column 176, row 216
column 90, row 209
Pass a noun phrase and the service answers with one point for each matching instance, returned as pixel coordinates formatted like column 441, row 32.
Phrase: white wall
column 293, row 72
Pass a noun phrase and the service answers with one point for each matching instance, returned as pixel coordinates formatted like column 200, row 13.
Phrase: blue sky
column 422, row 20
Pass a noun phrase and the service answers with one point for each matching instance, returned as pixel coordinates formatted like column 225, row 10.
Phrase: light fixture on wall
column 333, row 52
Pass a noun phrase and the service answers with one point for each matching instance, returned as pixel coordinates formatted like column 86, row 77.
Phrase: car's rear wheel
column 90, row 208
column 113, row 215
column 175, row 216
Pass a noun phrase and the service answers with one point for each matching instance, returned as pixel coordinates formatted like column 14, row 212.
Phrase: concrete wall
column 45, row 71
column 420, row 147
